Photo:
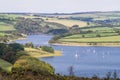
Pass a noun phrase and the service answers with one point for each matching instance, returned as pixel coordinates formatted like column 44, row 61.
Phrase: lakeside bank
column 38, row 53
column 86, row 44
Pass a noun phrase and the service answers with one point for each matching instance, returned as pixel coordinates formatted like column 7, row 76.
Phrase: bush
column 29, row 44
column 98, row 35
column 16, row 47
column 47, row 49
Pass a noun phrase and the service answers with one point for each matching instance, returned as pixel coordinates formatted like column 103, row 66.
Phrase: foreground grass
column 39, row 53
column 5, row 66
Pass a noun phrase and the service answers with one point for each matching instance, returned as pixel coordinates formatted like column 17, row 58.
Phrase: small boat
column 76, row 55
column 94, row 51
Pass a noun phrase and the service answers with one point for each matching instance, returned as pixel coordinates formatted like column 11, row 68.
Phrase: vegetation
column 10, row 52
column 38, row 52
column 47, row 49
column 27, row 63
column 68, row 23
column 34, row 25
column 5, row 66
column 6, row 27
column 19, row 63
column 23, row 64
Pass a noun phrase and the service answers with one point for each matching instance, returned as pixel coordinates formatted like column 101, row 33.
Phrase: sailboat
column 76, row 55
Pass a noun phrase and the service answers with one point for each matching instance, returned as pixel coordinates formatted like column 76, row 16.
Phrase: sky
column 58, row 6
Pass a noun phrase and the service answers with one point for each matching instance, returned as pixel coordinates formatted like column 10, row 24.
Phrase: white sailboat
column 94, row 51
column 76, row 55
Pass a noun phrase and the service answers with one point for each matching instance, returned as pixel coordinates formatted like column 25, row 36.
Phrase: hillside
column 102, row 28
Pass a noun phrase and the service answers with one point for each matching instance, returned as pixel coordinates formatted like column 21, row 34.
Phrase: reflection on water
column 86, row 61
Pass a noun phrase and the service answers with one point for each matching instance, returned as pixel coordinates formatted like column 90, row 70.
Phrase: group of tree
column 33, row 25
column 47, row 49
column 28, row 25
column 10, row 52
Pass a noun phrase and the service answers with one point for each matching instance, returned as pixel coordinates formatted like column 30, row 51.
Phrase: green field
column 110, row 39
column 90, row 35
column 5, row 66
column 95, row 35
column 6, row 27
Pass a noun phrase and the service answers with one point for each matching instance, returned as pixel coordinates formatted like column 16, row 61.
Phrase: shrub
column 29, row 44
column 98, row 35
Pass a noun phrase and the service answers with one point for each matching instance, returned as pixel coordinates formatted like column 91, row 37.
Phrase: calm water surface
column 86, row 61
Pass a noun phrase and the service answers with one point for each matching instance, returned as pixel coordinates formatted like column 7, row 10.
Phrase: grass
column 100, row 29
column 6, row 27
column 2, row 34
column 108, row 39
column 11, row 16
column 5, row 66
column 68, row 23
column 90, row 35
column 39, row 53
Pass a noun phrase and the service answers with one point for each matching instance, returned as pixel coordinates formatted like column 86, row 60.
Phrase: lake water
column 86, row 61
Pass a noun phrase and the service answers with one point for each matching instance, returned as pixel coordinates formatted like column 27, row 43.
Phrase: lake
column 85, row 60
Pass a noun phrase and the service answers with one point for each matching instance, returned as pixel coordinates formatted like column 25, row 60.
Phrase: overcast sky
column 58, row 6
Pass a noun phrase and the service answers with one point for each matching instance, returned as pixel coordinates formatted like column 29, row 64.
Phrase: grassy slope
column 39, row 53
column 5, row 66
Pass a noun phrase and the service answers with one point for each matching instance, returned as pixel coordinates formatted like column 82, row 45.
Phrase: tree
column 16, row 47
column 108, row 75
column 30, row 44
column 48, row 49
column 115, row 75
column 88, row 23
column 9, row 52
column 2, row 47
column 71, row 73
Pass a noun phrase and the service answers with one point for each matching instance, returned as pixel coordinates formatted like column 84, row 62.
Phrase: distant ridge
column 89, row 12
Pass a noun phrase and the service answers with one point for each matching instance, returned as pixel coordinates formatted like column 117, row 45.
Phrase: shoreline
column 86, row 44
column 38, row 53
column 14, row 40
